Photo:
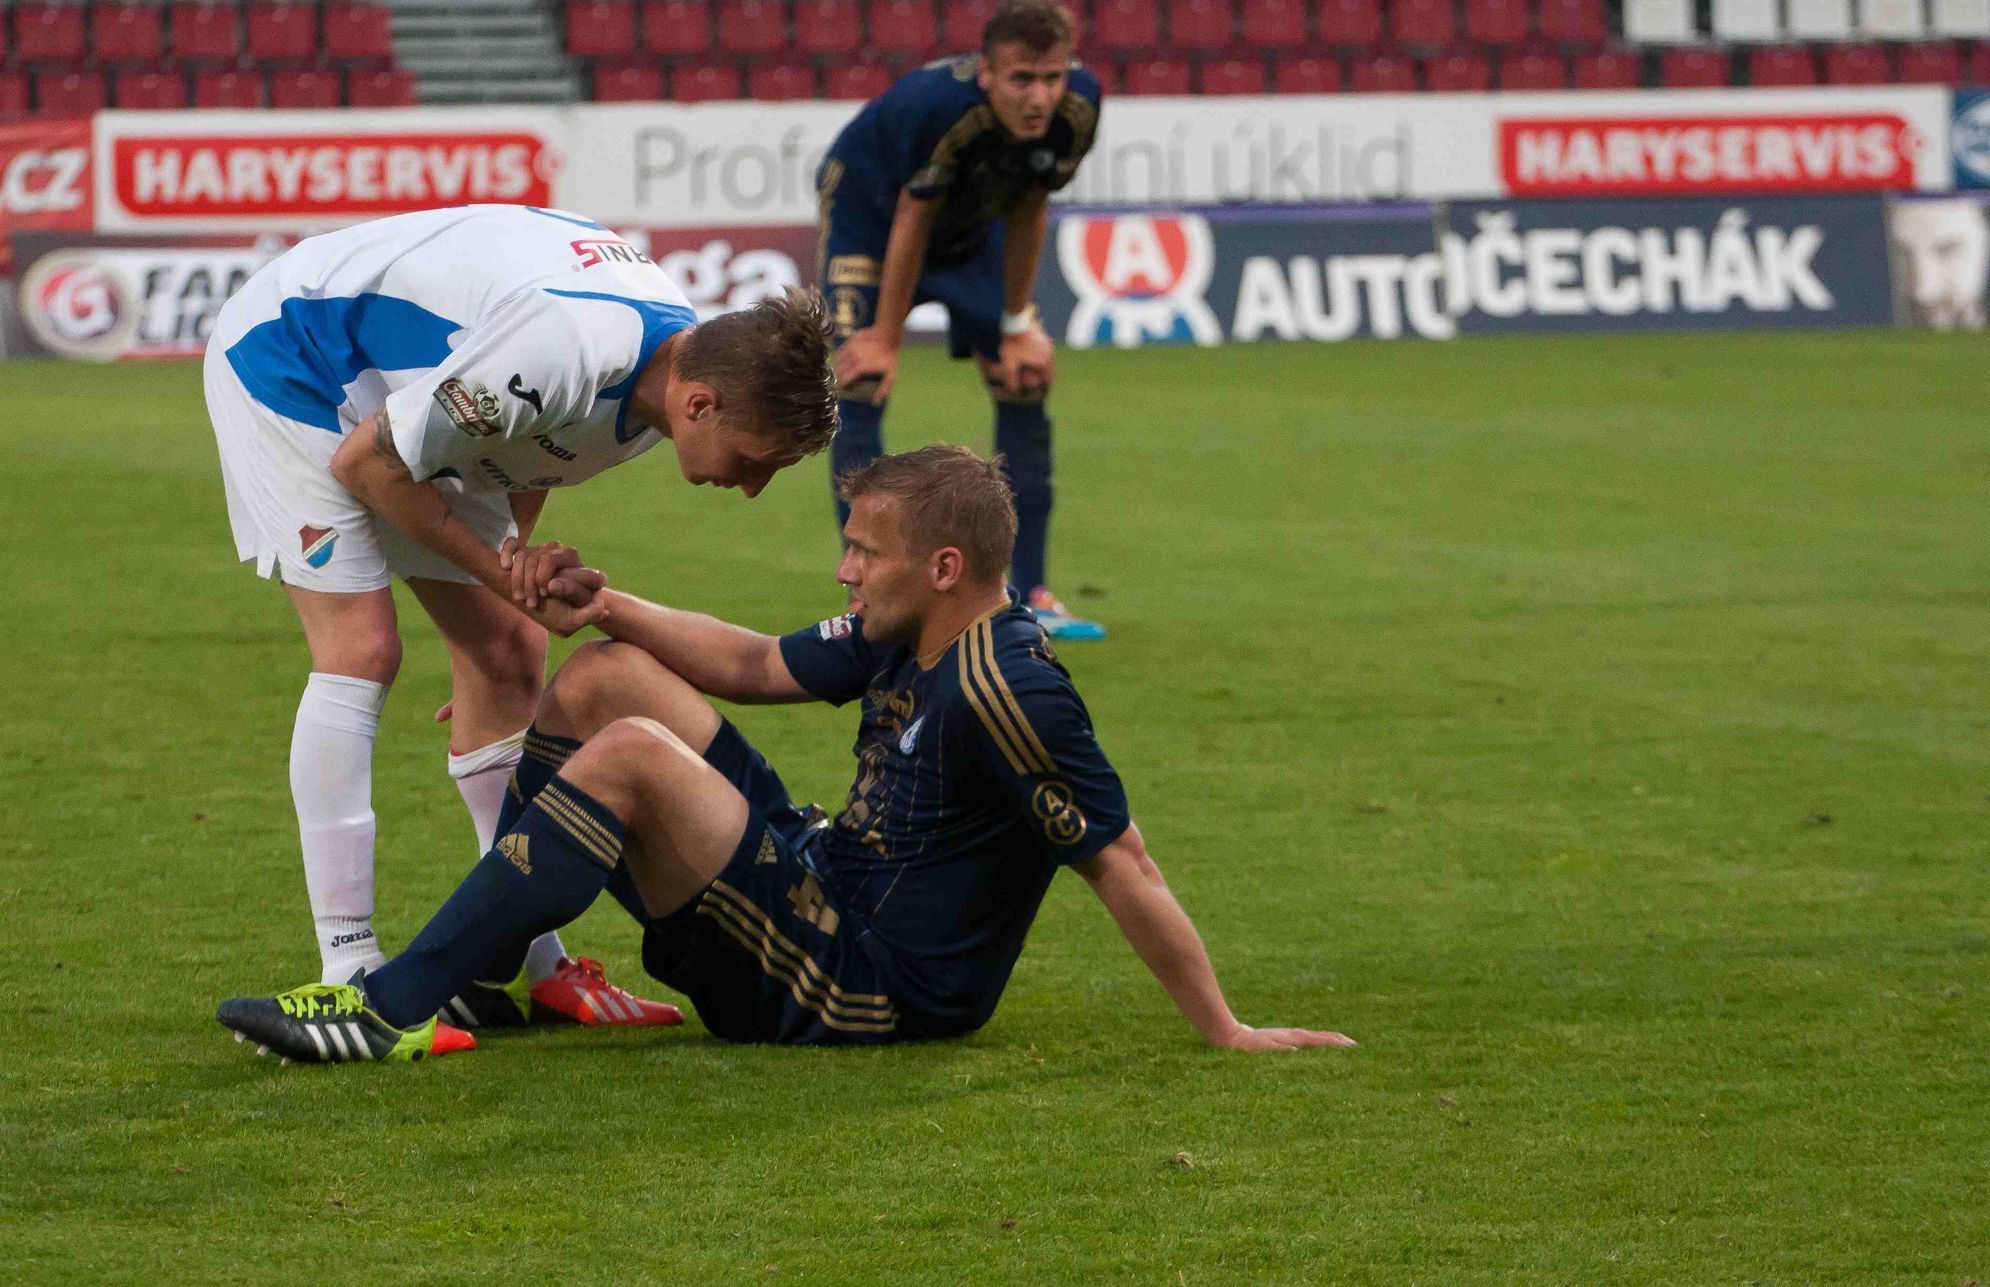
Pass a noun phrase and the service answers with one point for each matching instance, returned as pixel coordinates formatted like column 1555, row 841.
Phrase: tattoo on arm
column 383, row 441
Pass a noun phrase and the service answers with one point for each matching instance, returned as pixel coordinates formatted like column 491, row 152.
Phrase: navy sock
column 859, row 440
column 544, row 756
column 1022, row 436
column 544, row 872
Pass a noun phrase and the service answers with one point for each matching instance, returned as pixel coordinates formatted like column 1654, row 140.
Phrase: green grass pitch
column 1598, row 729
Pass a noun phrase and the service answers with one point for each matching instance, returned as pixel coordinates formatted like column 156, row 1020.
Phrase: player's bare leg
column 604, row 681
column 355, row 654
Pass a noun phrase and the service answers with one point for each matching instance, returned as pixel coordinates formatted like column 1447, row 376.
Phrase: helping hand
column 546, row 571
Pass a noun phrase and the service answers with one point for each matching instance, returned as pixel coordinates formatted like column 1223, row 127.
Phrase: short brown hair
column 1037, row 25
column 771, row 363
column 948, row 496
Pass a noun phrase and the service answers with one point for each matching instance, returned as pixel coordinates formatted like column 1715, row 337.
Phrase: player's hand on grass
column 1243, row 1037
column 867, row 356
column 1028, row 362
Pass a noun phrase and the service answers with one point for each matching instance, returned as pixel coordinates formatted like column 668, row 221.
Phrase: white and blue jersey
column 502, row 343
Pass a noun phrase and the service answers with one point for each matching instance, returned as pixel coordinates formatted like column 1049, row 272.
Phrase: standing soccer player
column 939, row 190
column 394, row 400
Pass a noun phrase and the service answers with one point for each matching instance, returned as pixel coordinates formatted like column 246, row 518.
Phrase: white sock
column 331, row 781
column 481, row 778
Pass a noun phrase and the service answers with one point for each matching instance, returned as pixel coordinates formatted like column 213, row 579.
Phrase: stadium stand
column 66, row 56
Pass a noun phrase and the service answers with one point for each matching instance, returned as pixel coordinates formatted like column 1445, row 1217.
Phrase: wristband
column 1019, row 323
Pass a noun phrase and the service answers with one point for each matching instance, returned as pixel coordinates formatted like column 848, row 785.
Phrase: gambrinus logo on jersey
column 1139, row 279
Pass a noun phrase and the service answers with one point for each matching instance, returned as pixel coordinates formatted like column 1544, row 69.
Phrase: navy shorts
column 853, row 258
column 764, row 954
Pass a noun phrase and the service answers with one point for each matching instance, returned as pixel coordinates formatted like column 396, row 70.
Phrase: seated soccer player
column 978, row 776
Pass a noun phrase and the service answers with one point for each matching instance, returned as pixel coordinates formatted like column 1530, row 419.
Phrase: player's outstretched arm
column 1134, row 892
column 715, row 657
column 369, row 465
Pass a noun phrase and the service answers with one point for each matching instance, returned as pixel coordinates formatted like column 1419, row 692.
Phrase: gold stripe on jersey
column 978, row 121
column 599, row 843
column 988, row 692
column 727, row 899
column 1084, row 118
column 767, row 946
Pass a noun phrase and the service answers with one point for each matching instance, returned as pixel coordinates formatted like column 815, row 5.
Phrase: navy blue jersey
column 978, row 776
column 933, row 134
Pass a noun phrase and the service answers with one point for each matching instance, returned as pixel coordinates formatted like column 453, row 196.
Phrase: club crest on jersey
column 908, row 742
column 317, row 543
column 1139, row 280
column 834, row 628
column 470, row 406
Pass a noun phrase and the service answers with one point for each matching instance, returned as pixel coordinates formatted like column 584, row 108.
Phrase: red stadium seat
column 856, row 82
column 154, row 91
column 1859, row 64
column 127, row 33
column 1244, row 75
column 1781, row 65
column 1608, row 69
column 1107, row 74
column 1304, row 74
column 677, row 27
column 1976, row 71
column 601, row 28
column 68, row 93
column 1382, row 74
column 1201, row 26
column 781, row 80
column 204, row 33
column 1274, row 24
column 627, row 83
column 825, row 27
column 1421, row 22
column 227, row 89
column 704, row 82
column 49, row 33
column 1688, row 67
column 961, row 22
column 1125, row 26
column 1351, row 23
column 1496, row 22
column 1532, row 69
column 358, row 31
column 1935, row 64
column 1573, row 22
column 13, row 94
column 381, row 87
column 753, row 27
column 1457, row 71
column 303, row 87
column 1159, row 76
column 903, row 28
column 282, row 31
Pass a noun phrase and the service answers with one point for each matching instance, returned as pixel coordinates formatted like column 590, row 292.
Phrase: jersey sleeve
column 832, row 659
column 1036, row 744
column 533, row 363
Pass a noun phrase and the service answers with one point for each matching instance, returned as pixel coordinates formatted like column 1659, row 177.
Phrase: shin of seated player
column 635, row 794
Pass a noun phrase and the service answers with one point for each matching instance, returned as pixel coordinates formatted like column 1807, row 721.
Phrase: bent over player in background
column 978, row 777
column 939, row 190
column 395, row 399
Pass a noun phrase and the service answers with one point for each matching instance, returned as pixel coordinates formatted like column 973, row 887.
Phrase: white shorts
column 294, row 520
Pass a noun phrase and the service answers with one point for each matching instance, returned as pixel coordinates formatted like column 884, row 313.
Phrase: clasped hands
column 550, row 584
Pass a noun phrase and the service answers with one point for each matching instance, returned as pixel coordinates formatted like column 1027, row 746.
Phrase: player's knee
column 596, row 678
column 369, row 654
column 637, row 750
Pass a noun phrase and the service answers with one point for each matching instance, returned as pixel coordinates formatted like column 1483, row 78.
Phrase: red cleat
column 578, row 991
column 450, row 1040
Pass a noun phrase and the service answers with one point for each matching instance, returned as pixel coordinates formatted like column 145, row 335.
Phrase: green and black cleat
column 492, row 1005
column 326, row 1023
